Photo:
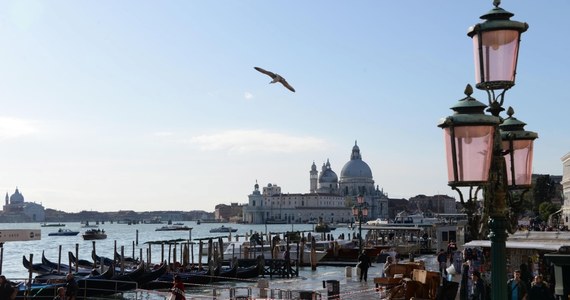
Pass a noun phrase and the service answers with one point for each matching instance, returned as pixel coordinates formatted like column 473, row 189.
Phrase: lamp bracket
column 495, row 101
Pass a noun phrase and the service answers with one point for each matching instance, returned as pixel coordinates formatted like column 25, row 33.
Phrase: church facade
column 330, row 198
column 15, row 209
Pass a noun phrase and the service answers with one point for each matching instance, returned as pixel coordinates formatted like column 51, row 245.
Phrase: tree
column 543, row 190
column 545, row 209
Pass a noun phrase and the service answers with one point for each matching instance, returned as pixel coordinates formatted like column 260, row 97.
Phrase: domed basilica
column 329, row 197
column 15, row 209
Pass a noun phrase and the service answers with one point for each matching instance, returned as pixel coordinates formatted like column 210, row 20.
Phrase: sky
column 155, row 105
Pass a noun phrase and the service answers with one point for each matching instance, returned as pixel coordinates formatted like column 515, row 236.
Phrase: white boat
column 245, row 249
column 223, row 229
column 378, row 221
column 174, row 228
column 415, row 219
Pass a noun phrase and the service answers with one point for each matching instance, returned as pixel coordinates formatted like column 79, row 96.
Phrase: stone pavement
column 309, row 283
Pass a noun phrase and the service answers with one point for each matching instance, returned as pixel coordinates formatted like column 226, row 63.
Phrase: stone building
column 15, row 209
column 566, row 189
column 330, row 197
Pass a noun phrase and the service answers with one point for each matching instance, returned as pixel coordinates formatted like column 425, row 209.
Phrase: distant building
column 566, row 189
column 438, row 204
column 329, row 197
column 16, row 209
column 231, row 212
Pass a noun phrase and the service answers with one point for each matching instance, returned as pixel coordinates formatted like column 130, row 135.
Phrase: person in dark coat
column 539, row 290
column 363, row 264
column 70, row 287
column 463, row 291
column 478, row 287
column 6, row 289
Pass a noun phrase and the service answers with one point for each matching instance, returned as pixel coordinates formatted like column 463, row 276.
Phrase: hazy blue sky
column 155, row 105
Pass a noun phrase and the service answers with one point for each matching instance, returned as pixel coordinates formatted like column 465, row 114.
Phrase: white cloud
column 13, row 127
column 248, row 96
column 243, row 141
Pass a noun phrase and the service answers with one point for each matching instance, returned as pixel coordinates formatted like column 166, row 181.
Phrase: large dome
column 356, row 167
column 17, row 198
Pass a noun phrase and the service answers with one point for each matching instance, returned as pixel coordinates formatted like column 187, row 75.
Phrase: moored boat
column 245, row 249
column 94, row 234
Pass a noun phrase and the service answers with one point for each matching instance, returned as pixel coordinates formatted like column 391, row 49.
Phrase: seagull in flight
column 276, row 78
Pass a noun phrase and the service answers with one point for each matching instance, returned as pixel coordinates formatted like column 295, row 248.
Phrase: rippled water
column 119, row 235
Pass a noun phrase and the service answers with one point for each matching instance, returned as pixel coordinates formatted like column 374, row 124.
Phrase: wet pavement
column 310, row 283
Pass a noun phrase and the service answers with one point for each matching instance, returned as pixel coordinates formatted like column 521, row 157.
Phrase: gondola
column 130, row 275
column 106, row 261
column 128, row 260
column 82, row 263
column 248, row 272
column 64, row 268
column 227, row 273
column 152, row 275
column 37, row 268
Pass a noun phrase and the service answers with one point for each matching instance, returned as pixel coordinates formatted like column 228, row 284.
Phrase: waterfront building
column 330, row 198
column 566, row 189
column 16, row 209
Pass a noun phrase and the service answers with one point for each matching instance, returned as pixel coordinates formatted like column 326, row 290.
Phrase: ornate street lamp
column 496, row 47
column 476, row 144
column 360, row 211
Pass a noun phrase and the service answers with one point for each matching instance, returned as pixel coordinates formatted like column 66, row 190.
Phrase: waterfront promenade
column 309, row 281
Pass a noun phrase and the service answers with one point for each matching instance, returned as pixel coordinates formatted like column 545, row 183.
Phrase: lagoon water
column 123, row 235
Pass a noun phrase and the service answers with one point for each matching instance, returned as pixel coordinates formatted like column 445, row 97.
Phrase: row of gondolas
column 136, row 275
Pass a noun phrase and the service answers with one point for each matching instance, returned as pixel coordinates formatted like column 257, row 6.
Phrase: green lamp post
column 481, row 147
column 360, row 211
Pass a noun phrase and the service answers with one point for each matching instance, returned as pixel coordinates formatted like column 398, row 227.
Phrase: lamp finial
column 496, row 3
column 468, row 90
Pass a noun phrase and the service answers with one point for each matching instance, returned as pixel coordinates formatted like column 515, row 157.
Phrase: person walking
column 177, row 289
column 70, row 287
column 363, row 264
column 442, row 260
column 539, row 290
column 287, row 259
column 477, row 287
column 387, row 264
column 516, row 288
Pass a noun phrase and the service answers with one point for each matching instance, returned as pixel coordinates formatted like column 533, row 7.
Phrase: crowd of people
column 522, row 286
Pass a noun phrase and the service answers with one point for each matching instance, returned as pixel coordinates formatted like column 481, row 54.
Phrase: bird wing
column 270, row 74
column 286, row 84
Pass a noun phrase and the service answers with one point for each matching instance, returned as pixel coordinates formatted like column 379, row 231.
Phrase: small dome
column 327, row 174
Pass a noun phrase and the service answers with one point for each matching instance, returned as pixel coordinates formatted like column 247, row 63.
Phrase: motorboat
column 173, row 228
column 377, row 222
column 64, row 232
column 53, row 225
column 415, row 219
column 94, row 234
column 223, row 229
